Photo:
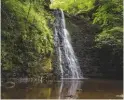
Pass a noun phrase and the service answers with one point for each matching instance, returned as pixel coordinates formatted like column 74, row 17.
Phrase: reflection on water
column 65, row 89
column 69, row 88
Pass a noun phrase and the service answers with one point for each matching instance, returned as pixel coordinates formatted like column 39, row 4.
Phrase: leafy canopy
column 73, row 6
column 110, row 18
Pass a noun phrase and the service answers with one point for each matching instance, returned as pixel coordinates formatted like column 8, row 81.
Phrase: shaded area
column 105, row 62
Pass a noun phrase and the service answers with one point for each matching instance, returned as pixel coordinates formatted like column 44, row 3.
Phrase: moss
column 26, row 37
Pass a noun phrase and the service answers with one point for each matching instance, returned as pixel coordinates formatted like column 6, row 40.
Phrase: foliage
column 26, row 37
column 112, row 37
column 106, row 13
column 106, row 49
column 73, row 6
column 109, row 17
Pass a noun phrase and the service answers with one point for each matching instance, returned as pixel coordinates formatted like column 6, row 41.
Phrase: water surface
column 78, row 89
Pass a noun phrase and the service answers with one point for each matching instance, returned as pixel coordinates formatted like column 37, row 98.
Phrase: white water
column 68, row 62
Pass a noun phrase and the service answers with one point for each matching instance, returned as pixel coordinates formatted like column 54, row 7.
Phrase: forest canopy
column 73, row 6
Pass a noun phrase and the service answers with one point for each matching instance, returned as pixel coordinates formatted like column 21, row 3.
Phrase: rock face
column 94, row 62
column 82, row 40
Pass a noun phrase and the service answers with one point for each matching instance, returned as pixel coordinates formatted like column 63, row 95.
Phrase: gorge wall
column 94, row 62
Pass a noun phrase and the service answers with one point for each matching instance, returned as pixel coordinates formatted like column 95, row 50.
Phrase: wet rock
column 9, row 84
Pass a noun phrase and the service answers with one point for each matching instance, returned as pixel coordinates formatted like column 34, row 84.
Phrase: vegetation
column 27, row 34
column 27, row 39
column 106, row 13
column 107, row 46
column 73, row 6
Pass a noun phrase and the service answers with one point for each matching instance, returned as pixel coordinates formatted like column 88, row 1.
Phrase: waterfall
column 67, row 60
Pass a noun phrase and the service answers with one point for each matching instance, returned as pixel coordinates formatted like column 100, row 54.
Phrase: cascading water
column 68, row 62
